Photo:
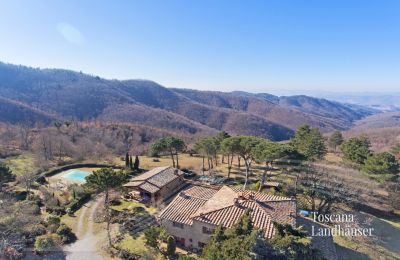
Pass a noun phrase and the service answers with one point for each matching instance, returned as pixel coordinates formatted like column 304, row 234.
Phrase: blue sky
column 253, row 46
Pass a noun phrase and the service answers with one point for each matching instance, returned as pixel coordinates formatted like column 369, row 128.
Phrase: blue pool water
column 76, row 175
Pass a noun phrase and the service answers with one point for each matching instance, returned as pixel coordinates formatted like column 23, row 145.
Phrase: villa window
column 176, row 224
column 208, row 231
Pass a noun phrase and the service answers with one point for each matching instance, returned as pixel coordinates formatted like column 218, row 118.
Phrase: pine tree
column 309, row 142
column 104, row 180
column 381, row 163
column 130, row 162
column 171, row 145
column 356, row 149
column 335, row 140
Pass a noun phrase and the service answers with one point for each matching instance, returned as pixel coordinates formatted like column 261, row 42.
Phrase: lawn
column 185, row 161
column 137, row 246
column 134, row 245
column 193, row 163
column 72, row 221
column 20, row 164
column 129, row 205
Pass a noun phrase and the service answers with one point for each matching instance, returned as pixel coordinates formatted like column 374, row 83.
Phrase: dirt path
column 85, row 246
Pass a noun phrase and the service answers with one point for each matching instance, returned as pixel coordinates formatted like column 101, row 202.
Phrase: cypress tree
column 130, row 162
column 136, row 164
column 171, row 246
column 127, row 160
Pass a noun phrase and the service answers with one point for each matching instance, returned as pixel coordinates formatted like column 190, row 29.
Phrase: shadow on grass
column 345, row 253
column 377, row 212
column 388, row 235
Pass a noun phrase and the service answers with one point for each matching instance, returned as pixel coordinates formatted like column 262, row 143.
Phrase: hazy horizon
column 278, row 92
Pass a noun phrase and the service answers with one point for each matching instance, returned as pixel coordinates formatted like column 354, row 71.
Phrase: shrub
column 52, row 223
column 256, row 186
column 34, row 230
column 47, row 243
column 125, row 254
column 66, row 234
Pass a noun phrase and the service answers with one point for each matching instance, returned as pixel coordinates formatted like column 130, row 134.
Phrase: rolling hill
column 29, row 95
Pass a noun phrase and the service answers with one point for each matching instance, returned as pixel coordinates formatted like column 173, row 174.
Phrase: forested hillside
column 30, row 95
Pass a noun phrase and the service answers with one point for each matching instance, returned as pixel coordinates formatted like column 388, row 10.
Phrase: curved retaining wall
column 77, row 165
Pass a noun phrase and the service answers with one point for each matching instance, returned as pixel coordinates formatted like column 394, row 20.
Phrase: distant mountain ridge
column 29, row 95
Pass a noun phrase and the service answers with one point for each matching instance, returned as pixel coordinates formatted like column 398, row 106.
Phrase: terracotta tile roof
column 225, row 207
column 259, row 196
column 186, row 203
column 155, row 179
column 200, row 192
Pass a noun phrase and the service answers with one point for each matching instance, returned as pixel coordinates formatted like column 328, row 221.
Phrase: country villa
column 156, row 185
column 197, row 211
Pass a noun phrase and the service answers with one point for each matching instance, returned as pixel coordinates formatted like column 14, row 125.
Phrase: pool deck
column 58, row 181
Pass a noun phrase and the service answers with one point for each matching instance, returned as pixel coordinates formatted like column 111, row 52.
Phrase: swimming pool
column 76, row 175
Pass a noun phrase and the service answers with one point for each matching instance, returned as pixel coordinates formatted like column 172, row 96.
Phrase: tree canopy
column 336, row 139
column 207, row 147
column 356, row 149
column 104, row 180
column 243, row 241
column 236, row 242
column 171, row 145
column 309, row 142
column 269, row 151
column 381, row 163
column 242, row 146
column 396, row 151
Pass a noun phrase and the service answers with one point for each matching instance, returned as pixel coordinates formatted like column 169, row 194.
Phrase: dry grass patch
column 333, row 157
column 21, row 164
column 130, row 205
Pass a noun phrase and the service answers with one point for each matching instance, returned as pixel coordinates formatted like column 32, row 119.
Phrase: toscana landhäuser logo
column 338, row 225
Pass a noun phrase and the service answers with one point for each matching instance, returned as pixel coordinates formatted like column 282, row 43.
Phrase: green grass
column 129, row 205
column 135, row 246
column 21, row 164
column 138, row 246
column 72, row 221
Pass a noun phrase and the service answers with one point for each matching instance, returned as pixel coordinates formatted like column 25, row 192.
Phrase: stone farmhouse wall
column 168, row 190
column 192, row 235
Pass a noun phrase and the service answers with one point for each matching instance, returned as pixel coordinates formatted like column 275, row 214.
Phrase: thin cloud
column 70, row 33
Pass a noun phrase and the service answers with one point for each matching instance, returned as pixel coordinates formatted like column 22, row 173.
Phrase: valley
column 327, row 156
